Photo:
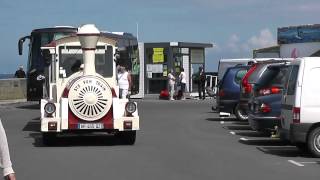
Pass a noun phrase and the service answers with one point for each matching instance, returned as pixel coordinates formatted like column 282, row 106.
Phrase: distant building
column 268, row 52
column 299, row 41
column 159, row 57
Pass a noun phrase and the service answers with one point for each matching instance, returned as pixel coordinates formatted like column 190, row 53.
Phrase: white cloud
column 311, row 7
column 264, row 39
column 233, row 43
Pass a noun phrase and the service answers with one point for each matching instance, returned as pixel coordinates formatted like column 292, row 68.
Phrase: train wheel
column 127, row 137
column 48, row 138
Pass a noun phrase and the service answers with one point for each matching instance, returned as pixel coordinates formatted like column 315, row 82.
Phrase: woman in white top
column 124, row 81
column 5, row 161
column 172, row 81
column 183, row 81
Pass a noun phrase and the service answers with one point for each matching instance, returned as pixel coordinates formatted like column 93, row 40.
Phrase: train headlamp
column 131, row 107
column 50, row 108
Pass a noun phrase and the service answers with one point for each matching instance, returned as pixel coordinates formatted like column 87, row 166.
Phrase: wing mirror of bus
column 20, row 47
column 20, row 44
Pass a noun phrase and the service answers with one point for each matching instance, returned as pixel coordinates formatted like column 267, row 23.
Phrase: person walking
column 5, row 161
column 20, row 73
column 201, row 83
column 183, row 82
column 124, row 81
column 171, row 82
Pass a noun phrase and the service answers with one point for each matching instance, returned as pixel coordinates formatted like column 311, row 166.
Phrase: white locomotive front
column 81, row 88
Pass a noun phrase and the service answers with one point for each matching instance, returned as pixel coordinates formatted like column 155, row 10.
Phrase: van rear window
column 293, row 80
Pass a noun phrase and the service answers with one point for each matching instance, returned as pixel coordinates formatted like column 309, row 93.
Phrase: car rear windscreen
column 274, row 76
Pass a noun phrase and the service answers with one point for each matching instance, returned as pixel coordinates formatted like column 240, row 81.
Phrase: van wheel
column 127, row 137
column 240, row 114
column 49, row 138
column 314, row 142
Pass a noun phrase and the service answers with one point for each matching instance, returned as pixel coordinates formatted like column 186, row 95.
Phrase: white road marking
column 244, row 139
column 226, row 122
column 309, row 162
column 295, row 163
column 233, row 133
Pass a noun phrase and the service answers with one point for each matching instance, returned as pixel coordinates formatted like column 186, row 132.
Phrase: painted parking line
column 226, row 122
column 295, row 163
column 309, row 162
column 244, row 139
column 301, row 164
column 232, row 132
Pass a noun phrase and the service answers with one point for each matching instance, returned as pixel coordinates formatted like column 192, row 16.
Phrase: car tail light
column 296, row 115
column 221, row 93
column 265, row 108
column 268, row 91
column 247, row 88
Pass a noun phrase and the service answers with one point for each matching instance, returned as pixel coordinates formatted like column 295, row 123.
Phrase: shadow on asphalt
column 78, row 141
column 253, row 134
column 33, row 126
column 285, row 151
column 218, row 119
column 264, row 142
column 29, row 106
column 238, row 127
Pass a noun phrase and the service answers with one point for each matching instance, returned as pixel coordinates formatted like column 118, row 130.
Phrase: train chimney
column 88, row 35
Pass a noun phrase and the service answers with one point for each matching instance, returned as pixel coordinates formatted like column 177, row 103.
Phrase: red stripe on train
column 107, row 120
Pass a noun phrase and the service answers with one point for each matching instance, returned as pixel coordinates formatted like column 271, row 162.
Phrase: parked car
column 300, row 105
column 248, row 82
column 224, row 64
column 229, row 89
column 265, row 103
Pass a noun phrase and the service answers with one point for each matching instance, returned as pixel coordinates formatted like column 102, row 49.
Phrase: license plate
column 90, row 126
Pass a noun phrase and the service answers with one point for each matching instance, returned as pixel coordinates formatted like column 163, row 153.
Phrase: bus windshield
column 38, row 40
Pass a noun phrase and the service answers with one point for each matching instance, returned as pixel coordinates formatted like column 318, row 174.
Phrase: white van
column 300, row 105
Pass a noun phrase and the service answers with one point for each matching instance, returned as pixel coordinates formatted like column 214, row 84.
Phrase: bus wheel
column 48, row 138
column 127, row 137
column 314, row 142
column 240, row 114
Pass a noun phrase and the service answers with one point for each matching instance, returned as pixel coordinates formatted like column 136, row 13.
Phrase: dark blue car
column 229, row 89
column 264, row 107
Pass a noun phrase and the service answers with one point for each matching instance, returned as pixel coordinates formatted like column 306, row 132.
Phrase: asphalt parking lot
column 177, row 140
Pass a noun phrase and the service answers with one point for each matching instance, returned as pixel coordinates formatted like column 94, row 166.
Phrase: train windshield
column 71, row 59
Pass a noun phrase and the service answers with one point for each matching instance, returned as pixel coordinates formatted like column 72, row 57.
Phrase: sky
column 235, row 27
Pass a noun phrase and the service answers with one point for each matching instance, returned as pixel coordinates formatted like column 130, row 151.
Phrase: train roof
column 114, row 35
